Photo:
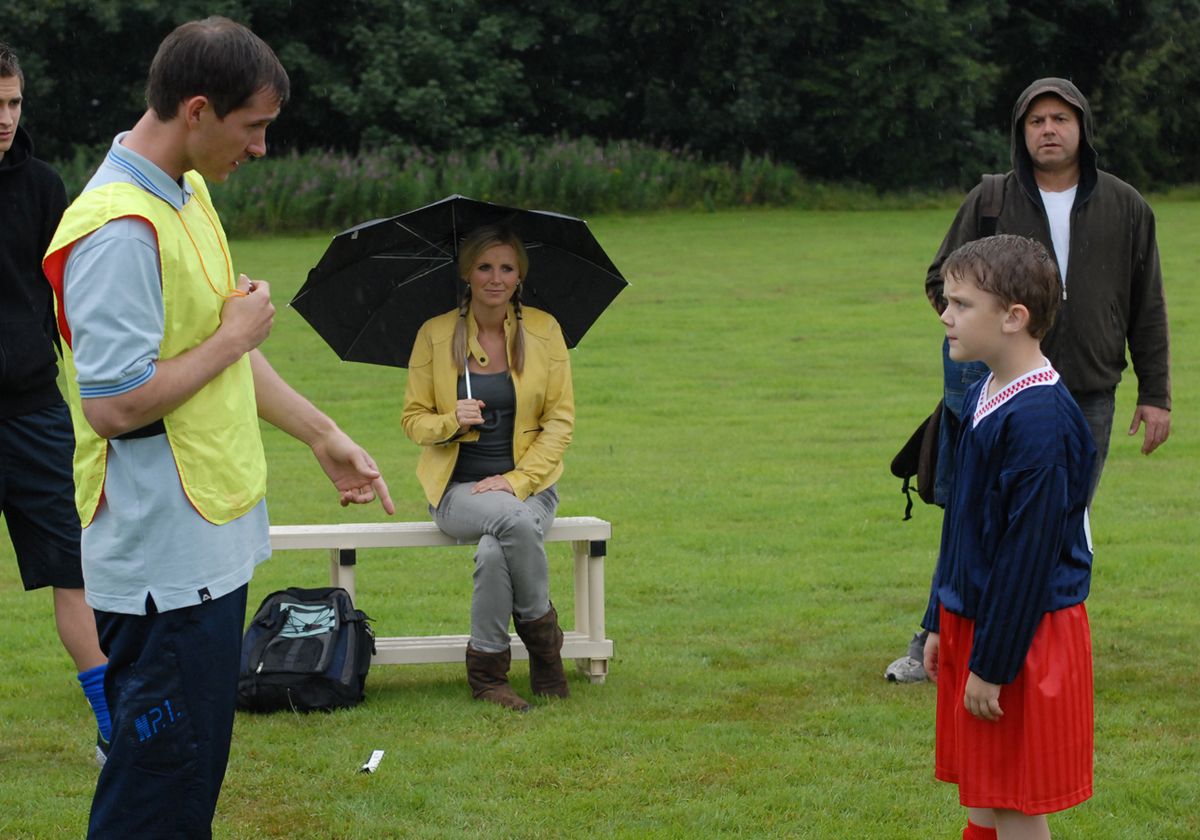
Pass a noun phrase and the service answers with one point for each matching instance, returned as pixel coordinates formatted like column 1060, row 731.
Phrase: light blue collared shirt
column 146, row 538
column 116, row 356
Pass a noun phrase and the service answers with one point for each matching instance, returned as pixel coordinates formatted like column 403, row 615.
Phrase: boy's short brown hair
column 9, row 66
column 1015, row 269
column 216, row 58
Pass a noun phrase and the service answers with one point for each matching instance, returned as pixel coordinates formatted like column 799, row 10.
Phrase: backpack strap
column 990, row 204
column 918, row 459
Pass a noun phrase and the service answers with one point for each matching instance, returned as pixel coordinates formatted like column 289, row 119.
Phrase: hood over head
column 1022, row 163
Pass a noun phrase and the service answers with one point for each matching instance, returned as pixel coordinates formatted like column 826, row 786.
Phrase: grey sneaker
column 905, row 670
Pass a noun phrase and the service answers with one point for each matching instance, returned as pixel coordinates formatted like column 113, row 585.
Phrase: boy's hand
column 932, row 648
column 982, row 698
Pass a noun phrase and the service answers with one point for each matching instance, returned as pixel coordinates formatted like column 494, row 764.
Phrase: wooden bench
column 586, row 644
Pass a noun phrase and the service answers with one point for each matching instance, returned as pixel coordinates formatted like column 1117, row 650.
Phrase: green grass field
column 737, row 410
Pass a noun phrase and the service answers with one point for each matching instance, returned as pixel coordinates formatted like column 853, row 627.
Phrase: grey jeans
column 511, row 574
column 1098, row 408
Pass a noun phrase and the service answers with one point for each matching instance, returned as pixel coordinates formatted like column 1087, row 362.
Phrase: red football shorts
column 1038, row 757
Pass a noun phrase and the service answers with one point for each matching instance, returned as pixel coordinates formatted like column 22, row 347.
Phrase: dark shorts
column 171, row 686
column 37, row 497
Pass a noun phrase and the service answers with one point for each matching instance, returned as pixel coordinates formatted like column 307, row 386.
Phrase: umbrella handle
column 467, row 376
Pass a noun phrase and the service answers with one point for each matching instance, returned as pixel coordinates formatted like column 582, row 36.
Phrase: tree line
column 894, row 94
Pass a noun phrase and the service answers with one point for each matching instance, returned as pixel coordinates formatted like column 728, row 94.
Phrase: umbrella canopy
column 380, row 281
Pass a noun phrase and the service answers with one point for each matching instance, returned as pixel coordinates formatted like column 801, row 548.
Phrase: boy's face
column 10, row 111
column 974, row 320
column 221, row 145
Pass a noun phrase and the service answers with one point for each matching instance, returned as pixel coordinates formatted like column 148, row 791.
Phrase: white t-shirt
column 1058, row 212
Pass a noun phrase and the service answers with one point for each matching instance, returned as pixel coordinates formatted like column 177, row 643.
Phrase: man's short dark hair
column 1015, row 269
column 216, row 58
column 9, row 66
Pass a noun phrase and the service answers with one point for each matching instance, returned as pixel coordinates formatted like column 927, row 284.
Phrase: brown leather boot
column 543, row 639
column 487, row 674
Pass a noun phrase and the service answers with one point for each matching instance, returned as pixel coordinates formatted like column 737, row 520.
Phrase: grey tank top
column 492, row 454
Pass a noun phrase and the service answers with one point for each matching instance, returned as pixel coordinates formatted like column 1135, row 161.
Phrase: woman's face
column 494, row 276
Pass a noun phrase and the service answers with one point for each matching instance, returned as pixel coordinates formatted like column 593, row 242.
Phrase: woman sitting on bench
column 490, row 402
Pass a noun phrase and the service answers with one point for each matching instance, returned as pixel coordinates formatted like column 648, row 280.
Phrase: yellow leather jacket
column 545, row 416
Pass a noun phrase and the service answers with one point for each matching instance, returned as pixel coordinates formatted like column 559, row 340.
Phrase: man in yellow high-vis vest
column 168, row 386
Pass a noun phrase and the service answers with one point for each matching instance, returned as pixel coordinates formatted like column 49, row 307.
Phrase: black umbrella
column 380, row 281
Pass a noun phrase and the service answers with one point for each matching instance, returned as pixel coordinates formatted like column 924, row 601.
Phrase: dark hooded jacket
column 32, row 200
column 1114, row 282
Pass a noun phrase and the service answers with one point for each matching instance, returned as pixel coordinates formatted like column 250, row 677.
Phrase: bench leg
column 580, row 548
column 594, row 669
column 589, row 606
column 342, row 574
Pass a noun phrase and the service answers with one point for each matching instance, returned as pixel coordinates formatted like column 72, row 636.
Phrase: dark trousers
column 1098, row 408
column 171, row 686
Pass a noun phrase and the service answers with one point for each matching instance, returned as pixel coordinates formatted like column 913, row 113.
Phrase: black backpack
column 918, row 459
column 305, row 649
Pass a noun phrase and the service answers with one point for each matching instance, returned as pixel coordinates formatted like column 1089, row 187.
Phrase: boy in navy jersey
column 1009, row 643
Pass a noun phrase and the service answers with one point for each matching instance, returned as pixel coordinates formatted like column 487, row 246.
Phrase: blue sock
column 92, row 681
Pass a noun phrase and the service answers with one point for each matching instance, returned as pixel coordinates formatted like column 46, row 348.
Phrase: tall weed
column 319, row 191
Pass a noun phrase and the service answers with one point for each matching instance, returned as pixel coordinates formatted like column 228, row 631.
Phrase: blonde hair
column 473, row 245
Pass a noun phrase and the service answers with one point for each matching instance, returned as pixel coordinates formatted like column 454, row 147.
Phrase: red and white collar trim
column 1045, row 375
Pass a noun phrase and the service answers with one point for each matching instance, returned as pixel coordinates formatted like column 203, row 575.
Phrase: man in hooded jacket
column 1102, row 235
column 37, row 491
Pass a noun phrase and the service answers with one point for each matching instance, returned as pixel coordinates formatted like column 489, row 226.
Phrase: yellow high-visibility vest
column 214, row 436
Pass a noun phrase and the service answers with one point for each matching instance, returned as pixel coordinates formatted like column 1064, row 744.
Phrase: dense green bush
column 326, row 190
